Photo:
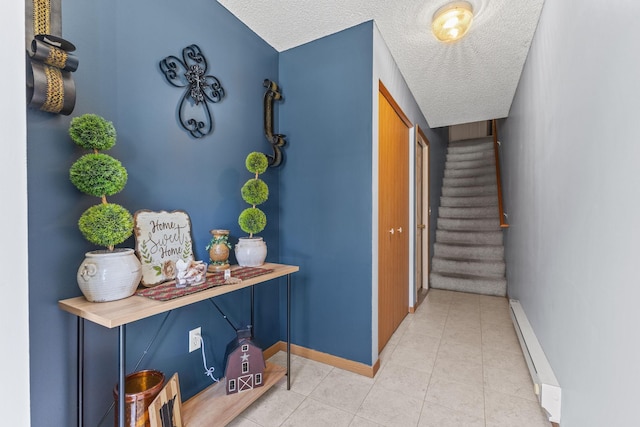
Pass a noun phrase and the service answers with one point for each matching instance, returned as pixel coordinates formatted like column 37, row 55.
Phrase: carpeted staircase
column 468, row 254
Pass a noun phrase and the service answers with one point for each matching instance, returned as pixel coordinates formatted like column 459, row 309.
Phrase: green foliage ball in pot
column 255, row 192
column 92, row 132
column 99, row 175
column 106, row 224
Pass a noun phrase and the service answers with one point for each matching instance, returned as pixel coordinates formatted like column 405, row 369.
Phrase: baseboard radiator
column 545, row 384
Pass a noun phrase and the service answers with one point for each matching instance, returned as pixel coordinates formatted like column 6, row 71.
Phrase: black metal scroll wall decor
column 190, row 72
column 50, row 86
column 275, row 139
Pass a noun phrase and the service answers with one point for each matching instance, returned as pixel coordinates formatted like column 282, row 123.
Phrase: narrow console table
column 117, row 314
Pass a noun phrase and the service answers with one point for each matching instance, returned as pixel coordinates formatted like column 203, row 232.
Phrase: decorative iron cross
column 190, row 72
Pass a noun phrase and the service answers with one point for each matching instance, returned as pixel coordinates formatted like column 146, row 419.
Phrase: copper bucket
column 140, row 389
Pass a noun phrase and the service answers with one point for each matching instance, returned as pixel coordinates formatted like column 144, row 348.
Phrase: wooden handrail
column 494, row 131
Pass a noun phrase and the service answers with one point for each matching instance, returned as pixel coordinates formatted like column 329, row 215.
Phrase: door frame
column 422, row 143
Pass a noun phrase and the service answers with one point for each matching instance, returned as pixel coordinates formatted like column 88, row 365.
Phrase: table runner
column 168, row 291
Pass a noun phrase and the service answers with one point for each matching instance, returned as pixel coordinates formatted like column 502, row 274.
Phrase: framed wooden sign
column 162, row 238
column 165, row 410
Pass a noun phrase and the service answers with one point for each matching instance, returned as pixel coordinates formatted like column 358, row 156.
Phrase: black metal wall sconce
column 190, row 72
column 276, row 140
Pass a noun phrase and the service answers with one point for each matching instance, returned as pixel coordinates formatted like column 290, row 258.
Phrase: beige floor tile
column 439, row 296
column 417, row 354
column 312, row 413
column 508, row 411
column 426, row 326
column 439, row 416
column 306, row 375
column 490, row 301
column 280, row 358
column 385, row 354
column 460, row 351
column 274, row 407
column 401, row 379
column 515, row 383
column 497, row 315
column 461, row 335
column 510, row 361
column 362, row 422
column 343, row 390
column 457, row 297
column 434, row 308
column 242, row 422
column 465, row 323
column 464, row 371
column 465, row 398
column 390, row 408
column 500, row 337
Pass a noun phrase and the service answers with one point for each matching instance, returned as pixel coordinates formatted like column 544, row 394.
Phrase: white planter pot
column 251, row 252
column 109, row 275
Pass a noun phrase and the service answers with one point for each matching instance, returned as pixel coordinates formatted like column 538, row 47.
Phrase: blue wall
column 119, row 45
column 325, row 218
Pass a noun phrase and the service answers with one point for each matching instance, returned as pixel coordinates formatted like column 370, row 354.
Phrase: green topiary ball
column 257, row 162
column 255, row 192
column 98, row 175
column 92, row 132
column 252, row 220
column 106, row 224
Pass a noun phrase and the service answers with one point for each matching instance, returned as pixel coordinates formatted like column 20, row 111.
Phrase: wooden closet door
column 393, row 218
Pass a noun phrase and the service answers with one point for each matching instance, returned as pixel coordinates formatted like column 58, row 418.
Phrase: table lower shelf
column 213, row 407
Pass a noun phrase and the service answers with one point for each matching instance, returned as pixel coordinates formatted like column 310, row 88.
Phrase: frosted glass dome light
column 452, row 21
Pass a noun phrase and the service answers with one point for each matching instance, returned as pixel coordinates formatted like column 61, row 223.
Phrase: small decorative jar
column 218, row 248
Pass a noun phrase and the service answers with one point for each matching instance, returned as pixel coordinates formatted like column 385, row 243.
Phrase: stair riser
column 496, row 287
column 468, row 212
column 484, row 190
column 468, row 173
column 469, row 238
column 469, row 201
column 469, row 164
column 475, row 155
column 484, row 253
column 456, row 224
column 461, row 147
column 489, row 178
column 493, row 269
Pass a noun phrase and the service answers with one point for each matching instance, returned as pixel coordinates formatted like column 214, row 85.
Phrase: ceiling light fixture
column 452, row 21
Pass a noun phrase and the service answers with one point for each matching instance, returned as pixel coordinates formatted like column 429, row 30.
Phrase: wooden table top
column 116, row 313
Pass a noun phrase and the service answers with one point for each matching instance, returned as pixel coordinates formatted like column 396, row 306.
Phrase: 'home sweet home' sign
column 162, row 238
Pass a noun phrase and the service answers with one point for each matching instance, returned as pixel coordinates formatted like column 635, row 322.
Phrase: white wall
column 571, row 164
column 14, row 304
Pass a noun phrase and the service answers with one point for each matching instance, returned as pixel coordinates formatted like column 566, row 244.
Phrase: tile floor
column 455, row 362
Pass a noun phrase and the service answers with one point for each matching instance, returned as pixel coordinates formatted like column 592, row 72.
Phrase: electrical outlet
column 194, row 339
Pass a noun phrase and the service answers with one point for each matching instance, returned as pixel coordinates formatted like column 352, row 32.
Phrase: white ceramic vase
column 109, row 275
column 250, row 251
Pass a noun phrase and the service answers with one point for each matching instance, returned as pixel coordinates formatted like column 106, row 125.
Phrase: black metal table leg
column 80, row 384
column 252, row 299
column 288, row 331
column 121, row 368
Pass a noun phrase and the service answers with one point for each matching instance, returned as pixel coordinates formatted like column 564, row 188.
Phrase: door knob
column 392, row 231
column 400, row 230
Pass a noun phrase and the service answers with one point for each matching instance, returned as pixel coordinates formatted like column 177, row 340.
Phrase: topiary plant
column 100, row 175
column 255, row 192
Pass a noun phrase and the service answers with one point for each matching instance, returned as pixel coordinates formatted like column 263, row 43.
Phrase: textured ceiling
column 470, row 80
